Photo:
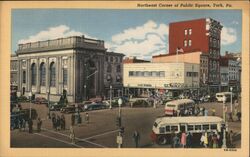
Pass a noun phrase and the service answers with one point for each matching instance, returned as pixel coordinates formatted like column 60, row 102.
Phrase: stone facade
column 75, row 64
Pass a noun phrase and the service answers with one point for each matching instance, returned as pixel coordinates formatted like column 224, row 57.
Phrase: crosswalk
column 65, row 138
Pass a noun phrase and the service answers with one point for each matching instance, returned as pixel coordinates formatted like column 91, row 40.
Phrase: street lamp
column 30, row 95
column 231, row 89
column 120, row 127
column 110, row 96
column 224, row 145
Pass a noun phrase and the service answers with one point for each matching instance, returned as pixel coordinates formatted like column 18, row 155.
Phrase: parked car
column 40, row 100
column 141, row 103
column 71, row 109
column 95, row 106
column 55, row 107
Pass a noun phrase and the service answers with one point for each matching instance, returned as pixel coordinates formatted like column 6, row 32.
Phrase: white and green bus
column 163, row 127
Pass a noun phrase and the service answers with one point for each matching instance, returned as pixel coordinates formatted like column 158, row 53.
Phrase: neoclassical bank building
column 81, row 66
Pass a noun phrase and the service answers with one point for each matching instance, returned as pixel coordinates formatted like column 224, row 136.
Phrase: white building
column 161, row 76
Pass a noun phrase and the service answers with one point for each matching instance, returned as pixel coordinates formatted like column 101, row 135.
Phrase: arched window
column 42, row 74
column 33, row 74
column 118, row 68
column 52, row 74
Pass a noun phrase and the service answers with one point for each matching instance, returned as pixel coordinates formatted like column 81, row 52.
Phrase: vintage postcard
column 124, row 78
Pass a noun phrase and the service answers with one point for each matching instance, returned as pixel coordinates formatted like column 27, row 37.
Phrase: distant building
column 128, row 60
column 139, row 78
column 199, row 35
column 230, row 64
column 75, row 64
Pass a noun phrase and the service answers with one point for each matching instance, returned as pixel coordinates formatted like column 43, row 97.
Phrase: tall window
column 189, row 42
column 109, row 69
column 190, row 31
column 24, row 76
column 52, row 74
column 42, row 75
column 118, row 68
column 33, row 74
column 65, row 76
column 185, row 31
column 185, row 43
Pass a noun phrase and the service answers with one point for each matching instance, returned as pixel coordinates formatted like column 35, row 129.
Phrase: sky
column 140, row 33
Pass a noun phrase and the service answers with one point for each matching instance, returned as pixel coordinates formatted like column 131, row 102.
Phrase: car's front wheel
column 162, row 140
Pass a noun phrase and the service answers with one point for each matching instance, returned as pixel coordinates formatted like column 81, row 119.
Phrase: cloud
column 235, row 22
column 52, row 33
column 141, row 41
column 228, row 36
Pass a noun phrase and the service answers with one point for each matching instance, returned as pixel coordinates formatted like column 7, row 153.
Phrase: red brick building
column 202, row 35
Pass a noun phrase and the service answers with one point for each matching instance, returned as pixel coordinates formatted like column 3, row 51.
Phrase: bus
column 175, row 106
column 164, row 127
column 220, row 96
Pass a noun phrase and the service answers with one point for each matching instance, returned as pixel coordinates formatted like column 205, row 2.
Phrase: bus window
column 162, row 130
column 167, row 128
column 213, row 126
column 190, row 127
column 174, row 128
column 197, row 127
column 205, row 127
column 169, row 105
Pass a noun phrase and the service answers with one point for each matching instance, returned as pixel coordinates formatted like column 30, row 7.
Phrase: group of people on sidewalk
column 58, row 122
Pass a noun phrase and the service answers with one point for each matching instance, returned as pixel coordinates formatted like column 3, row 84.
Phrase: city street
column 101, row 132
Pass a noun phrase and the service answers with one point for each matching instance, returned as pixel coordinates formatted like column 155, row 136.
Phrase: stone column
column 37, row 76
column 28, row 82
column 57, row 74
column 19, row 74
column 69, row 84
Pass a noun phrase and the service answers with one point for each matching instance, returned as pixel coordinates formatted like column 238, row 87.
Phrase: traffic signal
column 118, row 121
column 122, row 130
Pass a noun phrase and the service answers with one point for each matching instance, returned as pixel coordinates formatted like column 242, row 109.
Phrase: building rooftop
column 129, row 60
column 73, row 42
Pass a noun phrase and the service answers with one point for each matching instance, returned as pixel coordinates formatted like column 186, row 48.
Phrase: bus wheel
column 162, row 140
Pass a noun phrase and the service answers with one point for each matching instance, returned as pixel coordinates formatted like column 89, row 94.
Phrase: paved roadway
column 101, row 132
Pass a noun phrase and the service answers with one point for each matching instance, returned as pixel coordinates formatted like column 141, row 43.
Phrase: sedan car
column 95, row 106
column 71, row 109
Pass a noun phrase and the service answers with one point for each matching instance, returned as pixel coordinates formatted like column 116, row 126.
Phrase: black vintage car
column 71, row 109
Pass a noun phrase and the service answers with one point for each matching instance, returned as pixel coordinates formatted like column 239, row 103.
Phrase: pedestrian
column 87, row 117
column 183, row 139
column 72, row 119
column 230, row 138
column 30, row 123
column 239, row 115
column 62, row 122
column 79, row 120
column 189, row 140
column 23, row 124
column 58, row 119
column 203, row 140
column 215, row 140
column 136, row 137
column 172, row 138
column 53, row 119
column 72, row 134
column 210, row 141
column 213, row 111
column 176, row 141
column 39, row 124
column 230, row 117
column 20, row 120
